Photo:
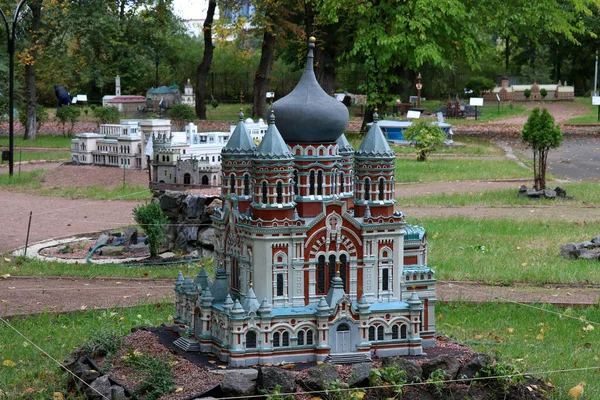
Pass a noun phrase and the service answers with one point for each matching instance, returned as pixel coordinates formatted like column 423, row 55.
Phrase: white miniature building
column 188, row 94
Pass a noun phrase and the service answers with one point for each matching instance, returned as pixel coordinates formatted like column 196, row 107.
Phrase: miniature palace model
column 312, row 262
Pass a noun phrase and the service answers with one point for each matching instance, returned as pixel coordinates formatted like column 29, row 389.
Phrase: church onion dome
column 375, row 143
column 308, row 114
column 344, row 145
column 240, row 141
column 272, row 145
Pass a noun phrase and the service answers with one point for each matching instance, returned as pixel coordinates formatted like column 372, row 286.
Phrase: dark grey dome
column 308, row 114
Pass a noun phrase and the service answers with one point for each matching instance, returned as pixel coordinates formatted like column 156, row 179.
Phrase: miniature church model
column 312, row 261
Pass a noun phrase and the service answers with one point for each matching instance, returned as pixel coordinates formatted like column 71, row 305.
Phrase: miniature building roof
column 336, row 292
column 161, row 90
column 344, row 145
column 127, row 99
column 240, row 140
column 308, row 114
column 273, row 145
column 375, row 144
column 414, row 232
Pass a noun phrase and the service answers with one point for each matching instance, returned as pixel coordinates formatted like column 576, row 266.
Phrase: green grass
column 24, row 181
column 490, row 113
column 584, row 194
column 503, row 250
column 20, row 266
column 59, row 335
column 512, row 331
column 128, row 192
column 41, row 155
column 228, row 111
column 591, row 116
column 438, row 169
column 43, row 141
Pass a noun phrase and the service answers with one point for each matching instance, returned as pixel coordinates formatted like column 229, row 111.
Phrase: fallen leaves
column 588, row 328
column 576, row 391
column 8, row 363
column 5, row 276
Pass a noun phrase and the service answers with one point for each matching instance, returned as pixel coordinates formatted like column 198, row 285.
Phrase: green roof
column 414, row 232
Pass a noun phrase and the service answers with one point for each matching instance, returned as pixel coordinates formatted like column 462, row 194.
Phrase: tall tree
column 204, row 66
column 30, row 73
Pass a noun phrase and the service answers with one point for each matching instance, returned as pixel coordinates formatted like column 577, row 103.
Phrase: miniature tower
column 118, row 86
column 346, row 169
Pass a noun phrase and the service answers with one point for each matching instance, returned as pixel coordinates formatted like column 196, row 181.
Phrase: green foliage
column 436, row 381
column 479, row 84
column 543, row 93
column 106, row 115
column 426, row 137
column 502, row 375
column 338, row 390
column 527, row 93
column 214, row 103
column 276, row 394
column 103, row 342
column 41, row 115
column 389, row 380
column 156, row 374
column 181, row 114
column 541, row 134
column 67, row 116
column 152, row 220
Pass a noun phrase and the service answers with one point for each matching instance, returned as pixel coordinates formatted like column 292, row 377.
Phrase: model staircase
column 348, row 358
column 185, row 344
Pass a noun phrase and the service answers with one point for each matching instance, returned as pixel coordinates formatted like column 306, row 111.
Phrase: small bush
column 479, row 84
column 156, row 374
column 106, row 115
column 527, row 93
column 181, row 114
column 103, row 343
column 67, row 115
column 543, row 93
column 426, row 137
column 214, row 103
column 152, row 220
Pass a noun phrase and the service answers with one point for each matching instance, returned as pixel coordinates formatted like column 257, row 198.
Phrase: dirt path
column 32, row 295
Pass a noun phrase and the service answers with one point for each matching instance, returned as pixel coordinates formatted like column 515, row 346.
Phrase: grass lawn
column 44, row 141
column 489, row 111
column 41, row 155
column 228, row 111
column 536, row 341
column 591, row 117
column 34, row 375
column 452, row 169
column 30, row 267
column 584, row 194
column 504, row 251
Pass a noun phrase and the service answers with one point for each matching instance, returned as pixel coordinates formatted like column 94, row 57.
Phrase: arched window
column 246, row 185
column 395, row 332
column 342, row 185
column 279, row 192
column 296, row 182
column 381, row 187
column 311, row 182
column 276, row 342
column 334, row 180
column 320, row 182
column 380, row 332
column 331, row 268
column 403, row 334
column 232, row 184
column 285, row 339
column 367, row 189
column 343, row 273
column 301, row 338
column 372, row 333
column 279, row 288
column 264, row 192
column 251, row 340
column 309, row 337
column 321, row 275
column 385, row 279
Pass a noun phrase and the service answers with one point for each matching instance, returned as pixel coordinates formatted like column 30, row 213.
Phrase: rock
column 170, row 202
column 215, row 203
column 207, row 238
column 560, row 192
column 235, row 384
column 99, row 389
column 84, row 371
column 448, row 364
column 414, row 372
column 130, row 237
column 189, row 233
column 585, row 254
column 596, row 240
column 270, row 377
column 320, row 377
column 166, row 255
column 586, row 245
column 195, row 206
column 522, row 191
column 359, row 377
column 112, row 251
column 472, row 366
column 104, row 238
column 137, row 248
column 568, row 250
column 192, row 255
column 119, row 392
column 549, row 194
column 534, row 194
column 70, row 362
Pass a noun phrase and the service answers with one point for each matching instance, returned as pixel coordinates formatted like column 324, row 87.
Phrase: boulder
column 586, row 254
column 137, row 248
column 560, row 192
column 130, row 237
column 549, row 194
column 112, row 251
column 84, row 371
column 270, row 377
column 195, row 206
column 359, row 377
column 522, row 191
column 586, row 245
column 473, row 365
column 215, row 203
column 448, row 364
column 104, row 238
column 596, row 240
column 99, row 389
column 189, row 232
column 319, row 377
column 236, row 384
column 568, row 250
column 207, row 238
column 414, row 372
column 534, row 194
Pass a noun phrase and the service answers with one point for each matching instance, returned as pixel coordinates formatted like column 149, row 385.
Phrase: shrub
column 156, row 374
column 214, row 103
column 67, row 114
column 426, row 137
column 41, row 115
column 103, row 343
column 541, row 134
column 152, row 220
column 181, row 114
column 106, row 115
column 543, row 93
column 479, row 84
column 527, row 93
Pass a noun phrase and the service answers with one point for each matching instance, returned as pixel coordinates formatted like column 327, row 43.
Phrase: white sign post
column 498, row 97
column 596, row 102
column 413, row 114
column 476, row 102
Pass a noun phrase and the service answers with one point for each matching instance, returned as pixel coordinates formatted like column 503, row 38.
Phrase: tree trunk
column 30, row 92
column 261, row 77
column 506, row 53
column 536, row 176
column 543, row 164
column 204, row 67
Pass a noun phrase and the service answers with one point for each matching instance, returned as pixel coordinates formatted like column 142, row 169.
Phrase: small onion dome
column 240, row 141
column 272, row 145
column 308, row 114
column 375, row 143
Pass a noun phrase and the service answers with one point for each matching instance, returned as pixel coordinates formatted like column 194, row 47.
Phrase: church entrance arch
column 343, row 336
column 205, row 179
column 343, row 339
column 187, row 179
